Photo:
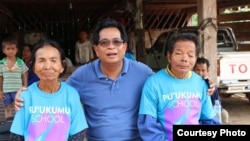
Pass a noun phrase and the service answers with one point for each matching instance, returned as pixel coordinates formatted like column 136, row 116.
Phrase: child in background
column 130, row 52
column 26, row 56
column 13, row 74
column 83, row 49
column 202, row 68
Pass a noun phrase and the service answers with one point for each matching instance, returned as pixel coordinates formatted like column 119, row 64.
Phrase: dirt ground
column 238, row 108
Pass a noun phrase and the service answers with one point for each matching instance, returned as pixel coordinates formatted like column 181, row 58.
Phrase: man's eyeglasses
column 106, row 43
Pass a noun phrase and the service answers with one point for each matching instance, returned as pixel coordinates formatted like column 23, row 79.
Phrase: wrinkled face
column 183, row 58
column 48, row 65
column 201, row 69
column 111, row 48
column 26, row 52
column 10, row 50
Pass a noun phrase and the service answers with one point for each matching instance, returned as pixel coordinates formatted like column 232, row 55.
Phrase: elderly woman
column 52, row 109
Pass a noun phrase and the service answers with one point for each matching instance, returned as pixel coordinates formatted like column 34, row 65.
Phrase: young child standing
column 13, row 74
column 202, row 68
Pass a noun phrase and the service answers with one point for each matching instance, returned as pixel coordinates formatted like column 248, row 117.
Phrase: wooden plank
column 2, row 118
column 244, row 47
column 237, row 27
column 170, row 6
column 242, row 36
column 233, row 17
column 29, row 22
column 161, row 19
column 232, row 3
column 2, row 112
column 149, row 19
column 180, row 19
column 5, row 10
column 156, row 18
column 140, row 48
column 172, row 12
column 175, row 17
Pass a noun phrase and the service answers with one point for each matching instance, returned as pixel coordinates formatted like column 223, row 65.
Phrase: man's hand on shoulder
column 211, row 84
column 18, row 99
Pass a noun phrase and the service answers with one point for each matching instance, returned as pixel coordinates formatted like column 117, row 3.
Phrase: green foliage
column 195, row 20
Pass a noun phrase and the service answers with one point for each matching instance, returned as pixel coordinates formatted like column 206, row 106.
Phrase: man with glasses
column 108, row 88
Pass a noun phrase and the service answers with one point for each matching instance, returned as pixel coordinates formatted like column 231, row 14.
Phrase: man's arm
column 150, row 129
column 18, row 99
column 211, row 86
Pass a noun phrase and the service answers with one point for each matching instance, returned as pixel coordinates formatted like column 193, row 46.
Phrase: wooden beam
column 244, row 47
column 174, row 20
column 149, row 18
column 180, row 19
column 168, row 18
column 207, row 9
column 156, row 18
column 239, row 26
column 29, row 23
column 161, row 19
column 233, row 17
column 5, row 10
column 169, row 6
column 232, row 3
column 242, row 35
column 139, row 30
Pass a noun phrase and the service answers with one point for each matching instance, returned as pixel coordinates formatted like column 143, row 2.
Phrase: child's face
column 83, row 36
column 201, row 69
column 10, row 50
column 26, row 52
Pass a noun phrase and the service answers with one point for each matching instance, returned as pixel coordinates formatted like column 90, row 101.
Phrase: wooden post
column 207, row 10
column 139, row 31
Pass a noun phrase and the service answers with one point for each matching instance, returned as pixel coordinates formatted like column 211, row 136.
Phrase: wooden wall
column 1, row 112
column 2, row 118
column 240, row 23
column 151, row 36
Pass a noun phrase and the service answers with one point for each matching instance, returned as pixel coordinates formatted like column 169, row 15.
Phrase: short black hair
column 9, row 40
column 202, row 60
column 31, row 47
column 106, row 23
column 44, row 42
column 183, row 37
